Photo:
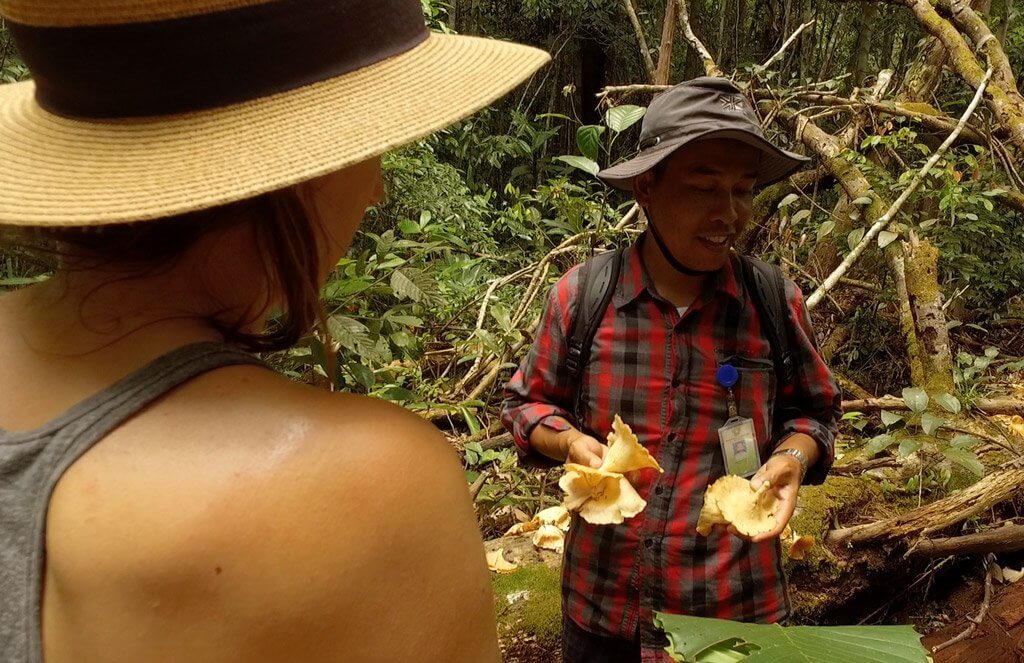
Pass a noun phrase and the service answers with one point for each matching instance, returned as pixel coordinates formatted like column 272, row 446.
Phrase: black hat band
column 211, row 60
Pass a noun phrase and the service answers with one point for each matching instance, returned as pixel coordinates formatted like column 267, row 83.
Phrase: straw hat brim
column 775, row 164
column 56, row 171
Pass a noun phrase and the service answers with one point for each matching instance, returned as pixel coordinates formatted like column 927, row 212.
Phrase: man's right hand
column 584, row 450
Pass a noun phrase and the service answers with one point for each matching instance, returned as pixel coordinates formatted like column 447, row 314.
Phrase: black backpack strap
column 598, row 278
column 768, row 289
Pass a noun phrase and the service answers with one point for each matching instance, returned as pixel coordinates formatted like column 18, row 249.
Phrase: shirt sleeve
column 540, row 392
column 811, row 402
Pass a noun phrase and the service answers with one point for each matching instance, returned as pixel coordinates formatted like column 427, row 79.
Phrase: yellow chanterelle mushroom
column 603, row 496
column 732, row 501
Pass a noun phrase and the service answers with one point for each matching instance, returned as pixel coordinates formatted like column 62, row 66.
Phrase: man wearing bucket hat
column 707, row 355
column 191, row 166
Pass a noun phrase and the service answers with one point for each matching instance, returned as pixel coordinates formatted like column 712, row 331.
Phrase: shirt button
column 659, row 490
column 676, row 382
column 649, row 543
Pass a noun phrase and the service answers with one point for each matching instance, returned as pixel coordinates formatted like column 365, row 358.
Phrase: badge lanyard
column 737, row 436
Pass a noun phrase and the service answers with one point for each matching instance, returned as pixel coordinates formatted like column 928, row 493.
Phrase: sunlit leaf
column 405, row 287
column 801, row 215
column 623, row 117
column 949, row 403
column 854, row 238
column 965, row 458
column 690, row 637
column 964, row 441
column 931, row 423
column 885, row 238
column 879, row 443
column 916, row 399
column 863, row 200
column 909, row 446
column 890, row 419
column 788, row 200
column 583, row 163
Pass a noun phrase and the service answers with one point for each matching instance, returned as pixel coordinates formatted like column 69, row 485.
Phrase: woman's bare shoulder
column 349, row 515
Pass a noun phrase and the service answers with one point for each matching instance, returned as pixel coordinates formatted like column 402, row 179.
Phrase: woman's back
column 245, row 517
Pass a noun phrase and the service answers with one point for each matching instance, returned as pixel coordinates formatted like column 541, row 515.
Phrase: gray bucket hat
column 706, row 107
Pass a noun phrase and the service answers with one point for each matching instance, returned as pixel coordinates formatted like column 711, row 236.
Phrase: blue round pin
column 727, row 376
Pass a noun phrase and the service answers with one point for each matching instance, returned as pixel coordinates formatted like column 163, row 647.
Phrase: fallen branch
column 785, row 45
column 986, row 405
column 971, row 501
column 886, row 218
column 1009, row 538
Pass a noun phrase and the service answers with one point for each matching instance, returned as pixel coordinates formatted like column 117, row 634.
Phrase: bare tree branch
column 645, row 51
column 668, row 33
column 884, row 221
column 710, row 67
column 785, row 45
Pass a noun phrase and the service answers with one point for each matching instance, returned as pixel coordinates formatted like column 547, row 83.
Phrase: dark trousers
column 581, row 646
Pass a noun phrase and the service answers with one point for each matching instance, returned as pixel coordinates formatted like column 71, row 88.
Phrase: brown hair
column 285, row 234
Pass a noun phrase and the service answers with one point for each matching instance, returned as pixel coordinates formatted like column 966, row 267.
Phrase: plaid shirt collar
column 635, row 280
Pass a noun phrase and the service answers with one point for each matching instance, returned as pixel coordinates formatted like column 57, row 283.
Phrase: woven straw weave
column 58, row 171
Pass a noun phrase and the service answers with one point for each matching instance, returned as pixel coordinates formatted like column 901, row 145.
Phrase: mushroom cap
column 554, row 515
column 549, row 537
column 496, row 562
column 625, row 453
column 600, row 497
column 732, row 501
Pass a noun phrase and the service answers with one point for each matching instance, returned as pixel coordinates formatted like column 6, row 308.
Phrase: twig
column 886, row 218
column 989, row 565
column 710, row 67
column 478, row 485
column 784, row 46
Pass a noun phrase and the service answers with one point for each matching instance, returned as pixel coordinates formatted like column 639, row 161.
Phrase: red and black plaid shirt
column 656, row 368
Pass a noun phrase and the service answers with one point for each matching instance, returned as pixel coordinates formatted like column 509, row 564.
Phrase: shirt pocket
column 755, row 393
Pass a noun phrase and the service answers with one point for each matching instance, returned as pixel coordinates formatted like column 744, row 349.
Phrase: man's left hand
column 783, row 474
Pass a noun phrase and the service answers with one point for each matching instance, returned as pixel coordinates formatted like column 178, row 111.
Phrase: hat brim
column 56, row 171
column 775, row 164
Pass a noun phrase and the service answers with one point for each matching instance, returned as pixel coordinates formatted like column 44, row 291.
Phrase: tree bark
column 986, row 405
column 935, row 360
column 668, row 30
column 865, row 31
column 1009, row 538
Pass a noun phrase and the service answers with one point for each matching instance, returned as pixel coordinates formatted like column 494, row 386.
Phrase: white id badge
column 739, row 447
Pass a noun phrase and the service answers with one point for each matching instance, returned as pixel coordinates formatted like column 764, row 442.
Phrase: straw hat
column 144, row 109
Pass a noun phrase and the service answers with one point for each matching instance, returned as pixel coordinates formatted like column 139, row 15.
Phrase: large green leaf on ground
column 700, row 639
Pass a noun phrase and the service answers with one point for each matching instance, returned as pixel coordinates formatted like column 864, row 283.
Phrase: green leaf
column 788, row 200
column 879, row 443
column 363, row 375
column 588, row 140
column 991, row 352
column 885, row 238
column 909, row 446
column 826, row 229
column 854, row 238
column 405, row 287
column 801, row 215
column 690, row 637
column 949, row 403
column 406, row 320
column 399, row 394
column 471, row 421
column 583, row 163
column 929, row 223
column 409, row 227
column 916, row 399
column 621, row 118
column 931, row 423
column 863, row 200
column 890, row 419
column 964, row 442
column 966, row 459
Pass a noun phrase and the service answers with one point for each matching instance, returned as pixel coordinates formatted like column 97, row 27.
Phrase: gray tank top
column 32, row 462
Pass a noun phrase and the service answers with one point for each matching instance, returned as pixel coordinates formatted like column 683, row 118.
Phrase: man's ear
column 642, row 185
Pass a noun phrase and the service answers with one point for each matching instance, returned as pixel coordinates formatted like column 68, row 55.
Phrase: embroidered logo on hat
column 732, row 102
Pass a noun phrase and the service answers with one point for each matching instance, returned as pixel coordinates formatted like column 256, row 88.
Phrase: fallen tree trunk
column 1009, row 538
column 986, row 405
column 967, row 503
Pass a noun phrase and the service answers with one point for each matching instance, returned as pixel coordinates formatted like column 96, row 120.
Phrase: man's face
column 700, row 199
